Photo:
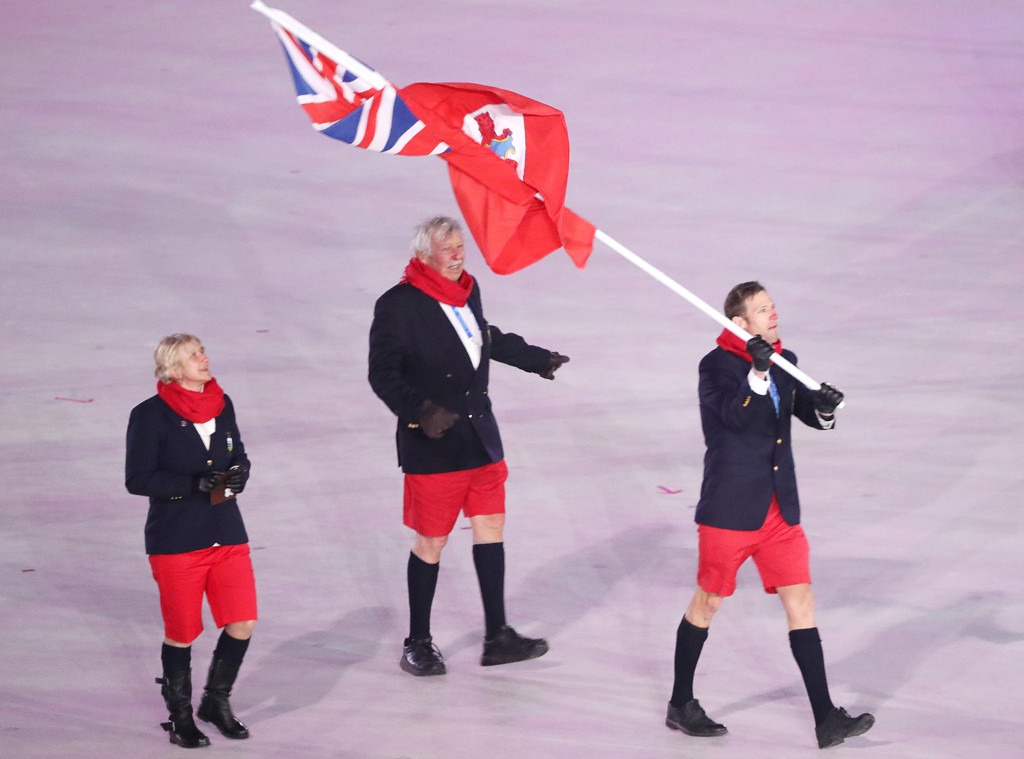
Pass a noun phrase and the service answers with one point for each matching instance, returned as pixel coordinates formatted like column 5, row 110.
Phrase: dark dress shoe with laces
column 838, row 725
column 421, row 657
column 692, row 720
column 508, row 646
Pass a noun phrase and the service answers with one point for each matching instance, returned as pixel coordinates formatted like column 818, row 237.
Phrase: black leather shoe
column 838, row 725
column 691, row 719
column 422, row 658
column 508, row 646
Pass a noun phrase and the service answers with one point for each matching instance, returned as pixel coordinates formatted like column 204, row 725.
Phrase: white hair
column 431, row 230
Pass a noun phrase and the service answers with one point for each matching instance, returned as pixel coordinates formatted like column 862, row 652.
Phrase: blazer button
column 779, row 441
column 448, row 376
column 209, row 462
column 470, row 416
column 775, row 469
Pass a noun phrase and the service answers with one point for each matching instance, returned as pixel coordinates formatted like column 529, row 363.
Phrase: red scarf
column 196, row 407
column 728, row 341
column 422, row 277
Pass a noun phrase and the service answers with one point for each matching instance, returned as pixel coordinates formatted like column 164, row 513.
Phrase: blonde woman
column 185, row 453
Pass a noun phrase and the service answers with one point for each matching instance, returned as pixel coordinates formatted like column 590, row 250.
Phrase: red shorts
column 780, row 552
column 433, row 501
column 224, row 573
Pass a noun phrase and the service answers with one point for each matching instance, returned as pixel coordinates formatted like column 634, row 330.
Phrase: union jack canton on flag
column 349, row 101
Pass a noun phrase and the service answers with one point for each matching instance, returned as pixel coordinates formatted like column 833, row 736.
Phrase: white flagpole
column 677, row 288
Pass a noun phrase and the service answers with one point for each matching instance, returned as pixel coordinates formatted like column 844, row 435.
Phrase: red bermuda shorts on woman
column 223, row 573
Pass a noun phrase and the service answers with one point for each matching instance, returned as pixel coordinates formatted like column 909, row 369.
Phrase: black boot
column 177, row 692
column 215, row 708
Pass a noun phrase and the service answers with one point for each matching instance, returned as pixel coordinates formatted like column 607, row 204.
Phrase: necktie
column 774, row 392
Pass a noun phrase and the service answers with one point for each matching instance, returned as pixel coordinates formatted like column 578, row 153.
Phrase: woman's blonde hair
column 167, row 355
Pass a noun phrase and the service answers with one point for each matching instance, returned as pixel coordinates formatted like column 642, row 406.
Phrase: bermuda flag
column 509, row 165
column 508, row 155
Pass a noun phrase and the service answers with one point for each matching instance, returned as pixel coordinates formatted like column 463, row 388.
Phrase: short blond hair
column 167, row 354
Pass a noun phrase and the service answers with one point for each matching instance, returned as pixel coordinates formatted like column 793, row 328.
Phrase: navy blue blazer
column 749, row 451
column 416, row 355
column 164, row 455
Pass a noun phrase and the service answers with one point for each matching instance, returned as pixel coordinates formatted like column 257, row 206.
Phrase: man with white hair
column 430, row 349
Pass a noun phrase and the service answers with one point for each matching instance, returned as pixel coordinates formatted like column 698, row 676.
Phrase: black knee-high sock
column 689, row 643
column 230, row 649
column 806, row 645
column 175, row 659
column 489, row 559
column 422, row 580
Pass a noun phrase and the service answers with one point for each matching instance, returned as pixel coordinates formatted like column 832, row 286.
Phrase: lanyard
column 465, row 327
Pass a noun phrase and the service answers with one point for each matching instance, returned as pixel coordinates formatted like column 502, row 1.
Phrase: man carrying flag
column 749, row 508
column 430, row 350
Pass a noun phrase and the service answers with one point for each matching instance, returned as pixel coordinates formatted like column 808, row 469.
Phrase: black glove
column 236, row 482
column 206, row 482
column 761, row 353
column 436, row 420
column 827, row 400
column 557, row 359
